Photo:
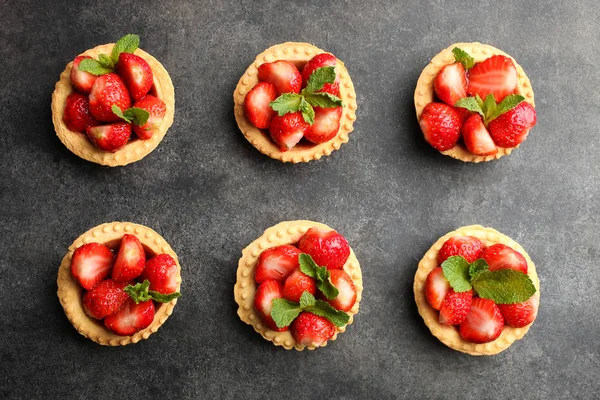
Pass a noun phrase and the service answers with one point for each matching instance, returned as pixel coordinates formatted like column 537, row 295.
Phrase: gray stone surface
column 209, row 193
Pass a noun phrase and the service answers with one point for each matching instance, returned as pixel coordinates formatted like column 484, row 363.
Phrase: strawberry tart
column 113, row 104
column 477, row 290
column 474, row 103
column 299, row 285
column 118, row 283
column 295, row 103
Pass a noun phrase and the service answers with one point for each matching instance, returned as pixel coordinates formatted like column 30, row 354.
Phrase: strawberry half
column 327, row 247
column 467, row 246
column 440, row 124
column 105, row 298
column 477, row 138
column 108, row 90
column 326, row 125
column 136, row 74
column 256, row 105
column 450, row 84
column 77, row 115
column 496, row 75
column 276, row 263
column 436, row 288
column 288, row 130
column 347, row 291
column 512, row 127
column 282, row 74
column 484, row 322
column 266, row 292
column 455, row 307
column 91, row 264
column 522, row 314
column 157, row 110
column 130, row 260
column 312, row 330
column 319, row 61
column 296, row 284
column 109, row 137
column 131, row 318
column 161, row 272
column 81, row 80
column 500, row 256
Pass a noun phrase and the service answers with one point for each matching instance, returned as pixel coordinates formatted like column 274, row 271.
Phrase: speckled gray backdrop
column 209, row 193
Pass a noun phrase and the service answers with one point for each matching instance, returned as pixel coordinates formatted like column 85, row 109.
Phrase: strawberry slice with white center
column 136, row 73
column 157, row 110
column 130, row 260
column 131, row 318
column 276, row 263
column 436, row 288
column 326, row 125
column 496, row 75
column 455, row 307
column 256, row 105
column 266, row 292
column 109, row 137
column 484, row 322
column 521, row 314
column 347, row 291
column 312, row 330
column 477, row 138
column 288, row 130
column 282, row 74
column 91, row 264
column 500, row 256
column 81, row 80
column 451, row 83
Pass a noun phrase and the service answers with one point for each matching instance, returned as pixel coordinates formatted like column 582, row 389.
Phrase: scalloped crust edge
column 135, row 150
column 287, row 232
column 449, row 335
column 424, row 92
column 298, row 53
column 70, row 293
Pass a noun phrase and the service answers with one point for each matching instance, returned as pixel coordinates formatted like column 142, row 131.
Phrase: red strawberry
column 287, row 131
column 467, row 246
column 477, row 138
column 455, row 307
column 131, row 318
column 496, row 75
column 108, row 89
column 109, row 137
column 347, row 291
column 463, row 113
column 512, row 127
column 263, row 302
column 522, row 314
column 500, row 256
column 436, row 288
column 311, row 330
column 296, row 284
column 105, row 298
column 82, row 81
column 484, row 323
column 451, row 83
column 91, row 264
column 256, row 105
column 161, row 272
column 157, row 109
column 327, row 248
column 326, row 125
column 282, row 74
column 319, row 61
column 136, row 74
column 440, row 124
column 276, row 263
column 77, row 115
column 130, row 260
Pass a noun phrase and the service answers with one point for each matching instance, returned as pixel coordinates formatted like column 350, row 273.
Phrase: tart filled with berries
column 298, row 285
column 474, row 103
column 113, row 104
column 477, row 290
column 295, row 103
column 118, row 283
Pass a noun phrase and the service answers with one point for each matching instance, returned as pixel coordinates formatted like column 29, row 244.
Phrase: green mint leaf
column 93, row 67
column 284, row 312
column 477, row 267
column 318, row 78
column 163, row 298
column 320, row 274
column 327, row 288
column 308, row 113
column 509, row 102
column 489, row 107
column 307, row 299
column 138, row 292
column 323, row 100
column 324, row 309
column 505, row 286
column 479, row 101
column 456, row 270
column 119, row 113
column 307, row 265
column 463, row 57
column 127, row 44
column 106, row 61
column 286, row 103
column 138, row 116
column 471, row 104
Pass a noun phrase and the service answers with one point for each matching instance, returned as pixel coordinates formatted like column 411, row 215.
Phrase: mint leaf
column 106, row 61
column 318, row 78
column 323, row 100
column 284, row 311
column 320, row 274
column 307, row 265
column 489, row 107
column 477, row 267
column 308, row 113
column 463, row 57
column 509, row 102
column 127, row 44
column 456, row 270
column 505, row 286
column 307, row 299
column 479, row 101
column 93, row 67
column 471, row 104
column 286, row 103
column 117, row 111
column 324, row 309
column 138, row 292
column 163, row 298
column 134, row 115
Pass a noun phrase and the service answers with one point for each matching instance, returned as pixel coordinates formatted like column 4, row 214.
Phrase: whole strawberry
column 468, row 247
column 312, row 330
column 108, row 90
column 77, row 115
column 136, row 74
column 441, row 125
column 286, row 131
column 521, row 314
column 105, row 298
column 512, row 127
column 157, row 110
column 327, row 247
column 161, row 271
column 455, row 307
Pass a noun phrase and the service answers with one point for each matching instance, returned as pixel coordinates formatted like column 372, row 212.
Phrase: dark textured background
column 209, row 193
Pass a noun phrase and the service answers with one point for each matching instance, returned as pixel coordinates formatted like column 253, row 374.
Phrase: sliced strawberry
column 276, row 263
column 512, row 127
column 477, row 138
column 467, row 246
column 130, row 260
column 312, row 330
column 131, row 318
column 91, row 264
column 296, row 284
column 522, row 314
column 327, row 247
column 256, row 105
column 136, row 74
column 500, row 256
column 463, row 113
column 347, row 291
column 455, row 307
column 436, row 288
column 266, row 292
column 484, row 322
column 105, row 298
column 282, row 74
column 82, row 81
column 108, row 90
column 440, row 124
column 288, row 130
column 451, row 83
column 319, row 61
column 77, row 115
column 157, row 110
column 496, row 75
column 161, row 271
column 326, row 125
column 109, row 137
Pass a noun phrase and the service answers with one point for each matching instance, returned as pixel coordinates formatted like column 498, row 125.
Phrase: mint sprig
column 319, row 78
column 463, row 57
column 133, row 115
column 319, row 274
column 93, row 66
column 127, row 44
column 140, row 293
column 456, row 270
column 284, row 311
column 488, row 109
column 105, row 64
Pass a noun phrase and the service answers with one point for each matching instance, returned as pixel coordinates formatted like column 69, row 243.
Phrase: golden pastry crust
column 449, row 335
column 288, row 232
column 136, row 149
column 70, row 293
column 424, row 92
column 299, row 54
